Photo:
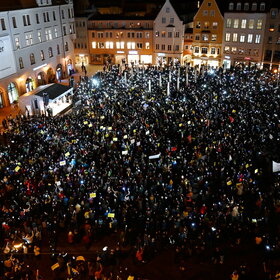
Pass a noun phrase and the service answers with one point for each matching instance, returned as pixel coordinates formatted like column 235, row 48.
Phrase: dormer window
column 262, row 6
column 230, row 6
column 238, row 6
column 246, row 6
column 254, row 6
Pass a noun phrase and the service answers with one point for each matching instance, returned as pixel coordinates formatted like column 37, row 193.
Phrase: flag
column 189, row 138
column 231, row 119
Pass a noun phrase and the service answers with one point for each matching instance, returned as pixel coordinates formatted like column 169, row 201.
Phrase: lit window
column 215, row 25
column 214, row 37
column 93, row 45
column 251, row 24
column 250, row 38
column 205, row 37
column 234, row 37
column 242, row 38
column 227, row 49
column 227, row 37
column 259, row 24
column 258, row 39
column 234, row 50
column 228, row 23
column 243, row 23
column 147, row 45
column 236, row 23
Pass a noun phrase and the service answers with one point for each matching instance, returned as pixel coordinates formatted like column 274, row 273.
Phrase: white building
column 243, row 35
column 168, row 35
column 37, row 47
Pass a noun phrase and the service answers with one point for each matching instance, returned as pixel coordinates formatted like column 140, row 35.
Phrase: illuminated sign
column 133, row 52
column 7, row 65
column 227, row 57
column 161, row 54
column 120, row 51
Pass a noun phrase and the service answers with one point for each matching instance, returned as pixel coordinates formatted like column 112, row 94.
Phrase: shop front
column 146, row 59
column 133, row 58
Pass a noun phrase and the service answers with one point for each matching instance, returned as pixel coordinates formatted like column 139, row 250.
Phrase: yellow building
column 120, row 40
column 208, row 35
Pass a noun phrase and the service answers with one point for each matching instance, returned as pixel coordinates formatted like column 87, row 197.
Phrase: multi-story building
column 36, row 47
column 271, row 54
column 81, row 43
column 168, row 36
column 208, row 34
column 120, row 40
column 188, row 45
column 244, row 30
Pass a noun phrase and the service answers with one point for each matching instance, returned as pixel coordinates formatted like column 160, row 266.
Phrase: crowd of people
column 159, row 156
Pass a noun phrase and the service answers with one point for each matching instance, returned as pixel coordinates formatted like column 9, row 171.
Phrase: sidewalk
column 13, row 111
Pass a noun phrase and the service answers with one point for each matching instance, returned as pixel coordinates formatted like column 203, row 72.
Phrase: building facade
column 271, row 54
column 120, row 40
column 168, row 36
column 81, row 43
column 208, row 35
column 38, row 42
column 244, row 32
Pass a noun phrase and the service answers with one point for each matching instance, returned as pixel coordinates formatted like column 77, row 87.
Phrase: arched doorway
column 12, row 93
column 41, row 79
column 69, row 67
column 1, row 98
column 50, row 75
column 29, row 84
column 58, row 72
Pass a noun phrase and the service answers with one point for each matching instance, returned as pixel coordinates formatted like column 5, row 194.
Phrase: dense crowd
column 186, row 167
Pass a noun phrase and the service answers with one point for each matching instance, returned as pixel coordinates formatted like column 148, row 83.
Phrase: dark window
column 14, row 22
column 50, row 52
column 54, row 15
column 58, row 49
column 32, row 59
column 28, row 20
column 267, row 56
column 37, row 19
column 276, row 57
column 21, row 63
column 24, row 20
column 66, row 46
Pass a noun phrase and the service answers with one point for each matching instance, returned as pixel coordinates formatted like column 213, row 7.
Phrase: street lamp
column 278, row 73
